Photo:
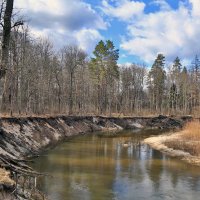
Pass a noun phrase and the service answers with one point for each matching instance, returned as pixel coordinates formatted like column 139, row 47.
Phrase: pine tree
column 156, row 82
column 195, row 82
column 175, row 87
column 173, row 97
column 176, row 70
column 104, row 71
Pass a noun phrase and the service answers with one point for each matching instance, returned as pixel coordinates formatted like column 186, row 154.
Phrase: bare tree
column 6, row 36
column 73, row 58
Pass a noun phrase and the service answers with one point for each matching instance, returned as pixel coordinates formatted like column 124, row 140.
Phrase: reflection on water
column 118, row 167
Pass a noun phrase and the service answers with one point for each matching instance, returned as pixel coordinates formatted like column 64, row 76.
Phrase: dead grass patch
column 5, row 177
column 188, row 140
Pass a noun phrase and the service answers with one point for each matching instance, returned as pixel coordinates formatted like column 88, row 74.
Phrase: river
column 106, row 166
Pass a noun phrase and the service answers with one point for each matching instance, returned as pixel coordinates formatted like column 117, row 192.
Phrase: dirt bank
column 21, row 137
column 28, row 136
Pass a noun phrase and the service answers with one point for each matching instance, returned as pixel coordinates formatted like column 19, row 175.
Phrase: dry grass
column 192, row 131
column 189, row 139
column 143, row 113
column 5, row 177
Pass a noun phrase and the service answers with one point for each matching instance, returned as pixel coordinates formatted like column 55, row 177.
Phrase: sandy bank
column 158, row 143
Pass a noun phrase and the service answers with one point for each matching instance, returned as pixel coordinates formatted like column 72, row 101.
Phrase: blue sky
column 139, row 28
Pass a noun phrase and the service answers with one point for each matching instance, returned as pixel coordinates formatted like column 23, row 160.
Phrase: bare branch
column 18, row 23
column 1, row 24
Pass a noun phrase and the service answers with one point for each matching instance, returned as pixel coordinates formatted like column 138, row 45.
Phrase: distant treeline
column 36, row 79
column 40, row 80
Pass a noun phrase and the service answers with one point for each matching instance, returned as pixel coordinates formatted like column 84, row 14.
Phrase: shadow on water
column 115, row 166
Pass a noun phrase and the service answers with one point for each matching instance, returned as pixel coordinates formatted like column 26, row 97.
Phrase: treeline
column 40, row 80
column 36, row 79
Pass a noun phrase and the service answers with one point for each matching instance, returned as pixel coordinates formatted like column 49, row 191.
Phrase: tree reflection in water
column 115, row 166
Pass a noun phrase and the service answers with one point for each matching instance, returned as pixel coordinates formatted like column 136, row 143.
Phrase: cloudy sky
column 139, row 28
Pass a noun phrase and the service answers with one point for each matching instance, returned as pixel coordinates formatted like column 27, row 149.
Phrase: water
column 115, row 167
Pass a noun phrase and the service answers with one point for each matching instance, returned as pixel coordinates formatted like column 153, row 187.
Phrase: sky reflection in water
column 118, row 167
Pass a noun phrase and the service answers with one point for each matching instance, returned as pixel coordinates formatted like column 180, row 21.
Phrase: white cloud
column 162, row 4
column 49, row 6
column 196, row 7
column 127, row 64
column 173, row 32
column 123, row 9
column 61, row 20
column 88, row 38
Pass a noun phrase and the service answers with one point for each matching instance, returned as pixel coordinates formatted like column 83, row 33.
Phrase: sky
column 140, row 29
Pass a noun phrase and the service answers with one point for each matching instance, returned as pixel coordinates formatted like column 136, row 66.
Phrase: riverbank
column 184, row 144
column 22, row 138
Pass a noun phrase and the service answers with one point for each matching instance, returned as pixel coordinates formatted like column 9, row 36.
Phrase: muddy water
column 115, row 167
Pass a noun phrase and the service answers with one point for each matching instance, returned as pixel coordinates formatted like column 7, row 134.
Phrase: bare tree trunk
column 6, row 37
column 70, row 94
column 5, row 52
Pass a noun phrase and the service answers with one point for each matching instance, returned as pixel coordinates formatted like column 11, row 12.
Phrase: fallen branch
column 18, row 167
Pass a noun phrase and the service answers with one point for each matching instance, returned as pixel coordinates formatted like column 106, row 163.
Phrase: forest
column 97, row 109
column 37, row 78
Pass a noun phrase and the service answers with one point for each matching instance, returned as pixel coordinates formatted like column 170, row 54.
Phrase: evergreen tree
column 195, row 82
column 196, row 67
column 176, row 70
column 156, row 82
column 175, row 87
column 104, row 71
column 173, row 97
